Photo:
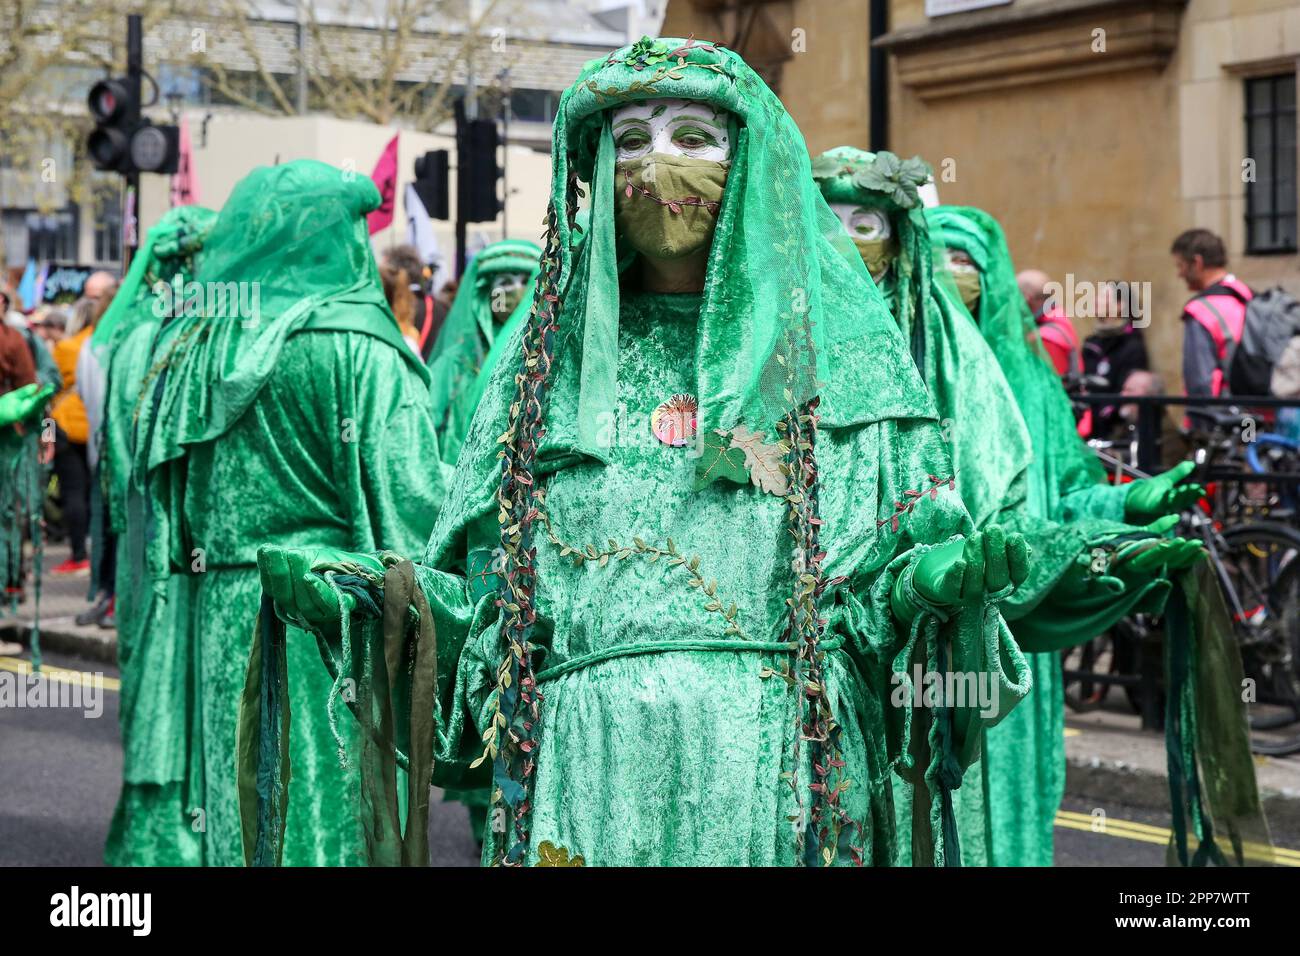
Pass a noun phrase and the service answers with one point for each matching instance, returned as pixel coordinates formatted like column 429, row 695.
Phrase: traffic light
column 431, row 183
column 122, row 140
column 478, row 164
column 116, row 109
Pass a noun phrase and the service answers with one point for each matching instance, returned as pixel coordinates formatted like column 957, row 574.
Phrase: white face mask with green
column 672, row 157
column 966, row 277
column 873, row 234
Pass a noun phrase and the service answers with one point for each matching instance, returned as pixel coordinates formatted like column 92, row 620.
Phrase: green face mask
column 968, row 287
column 877, row 255
column 667, row 206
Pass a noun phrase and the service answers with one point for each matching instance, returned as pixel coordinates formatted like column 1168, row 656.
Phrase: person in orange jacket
column 71, row 433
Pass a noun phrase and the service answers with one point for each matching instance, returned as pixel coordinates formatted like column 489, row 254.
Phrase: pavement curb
column 89, row 647
column 1089, row 777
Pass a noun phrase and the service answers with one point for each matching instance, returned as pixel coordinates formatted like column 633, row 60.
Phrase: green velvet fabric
column 307, row 423
column 665, row 618
column 1004, row 442
column 1069, row 511
column 469, row 336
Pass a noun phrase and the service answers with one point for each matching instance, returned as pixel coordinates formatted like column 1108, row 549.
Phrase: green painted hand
column 1151, row 498
column 294, row 578
column 964, row 572
column 21, row 403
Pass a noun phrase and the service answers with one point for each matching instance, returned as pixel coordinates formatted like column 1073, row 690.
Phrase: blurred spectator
column 9, row 312
column 1214, row 316
column 429, row 312
column 16, row 370
column 397, row 290
column 92, row 387
column 1054, row 326
column 72, row 431
column 1112, row 353
column 50, row 324
column 1139, row 382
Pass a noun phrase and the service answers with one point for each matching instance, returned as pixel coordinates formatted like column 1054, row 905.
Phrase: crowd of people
column 737, row 523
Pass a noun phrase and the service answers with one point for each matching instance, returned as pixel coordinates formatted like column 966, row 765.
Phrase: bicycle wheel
column 1262, row 561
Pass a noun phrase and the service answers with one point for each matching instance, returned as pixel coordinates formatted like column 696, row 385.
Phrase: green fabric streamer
column 1217, row 816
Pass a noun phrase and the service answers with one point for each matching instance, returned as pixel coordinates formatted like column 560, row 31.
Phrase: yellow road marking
column 1146, row 833
column 1072, row 731
column 1069, row 819
column 65, row 674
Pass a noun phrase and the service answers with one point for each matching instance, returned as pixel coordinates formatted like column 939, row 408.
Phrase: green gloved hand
column 1173, row 554
column 18, row 405
column 965, row 572
column 294, row 578
column 1151, row 498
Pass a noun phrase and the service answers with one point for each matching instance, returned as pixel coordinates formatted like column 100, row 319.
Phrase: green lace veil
column 290, row 250
column 990, row 449
column 882, row 180
column 168, row 255
column 168, row 250
column 786, row 296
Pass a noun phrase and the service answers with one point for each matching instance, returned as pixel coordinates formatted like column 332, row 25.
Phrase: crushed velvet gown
column 665, row 739
column 279, row 475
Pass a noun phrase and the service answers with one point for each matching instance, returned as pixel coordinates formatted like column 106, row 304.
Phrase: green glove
column 1173, row 554
column 965, row 572
column 18, row 405
column 1151, row 498
column 294, row 578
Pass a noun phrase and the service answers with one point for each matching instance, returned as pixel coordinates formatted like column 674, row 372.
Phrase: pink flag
column 385, row 177
column 185, row 181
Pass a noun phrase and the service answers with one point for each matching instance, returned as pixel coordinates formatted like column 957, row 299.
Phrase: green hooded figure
column 1104, row 569
column 702, row 539
column 491, row 291
column 152, row 709
column 278, row 402
column 1211, row 774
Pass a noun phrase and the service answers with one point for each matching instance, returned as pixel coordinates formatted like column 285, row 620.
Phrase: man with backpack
column 1215, row 315
column 1236, row 342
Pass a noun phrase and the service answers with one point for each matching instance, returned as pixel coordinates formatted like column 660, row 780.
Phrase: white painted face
column 959, row 261
column 863, row 222
column 674, row 127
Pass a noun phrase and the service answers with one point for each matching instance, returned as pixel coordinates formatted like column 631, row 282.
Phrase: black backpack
column 1272, row 321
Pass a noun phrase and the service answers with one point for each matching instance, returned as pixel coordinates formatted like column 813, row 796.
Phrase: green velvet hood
column 289, row 251
column 788, row 310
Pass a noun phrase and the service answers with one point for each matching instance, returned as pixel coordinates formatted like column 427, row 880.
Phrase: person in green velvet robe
column 490, row 292
column 1091, row 568
column 702, row 530
column 279, row 403
column 151, row 824
column 1024, row 760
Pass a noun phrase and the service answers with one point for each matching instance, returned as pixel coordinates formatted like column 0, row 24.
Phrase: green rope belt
column 656, row 647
